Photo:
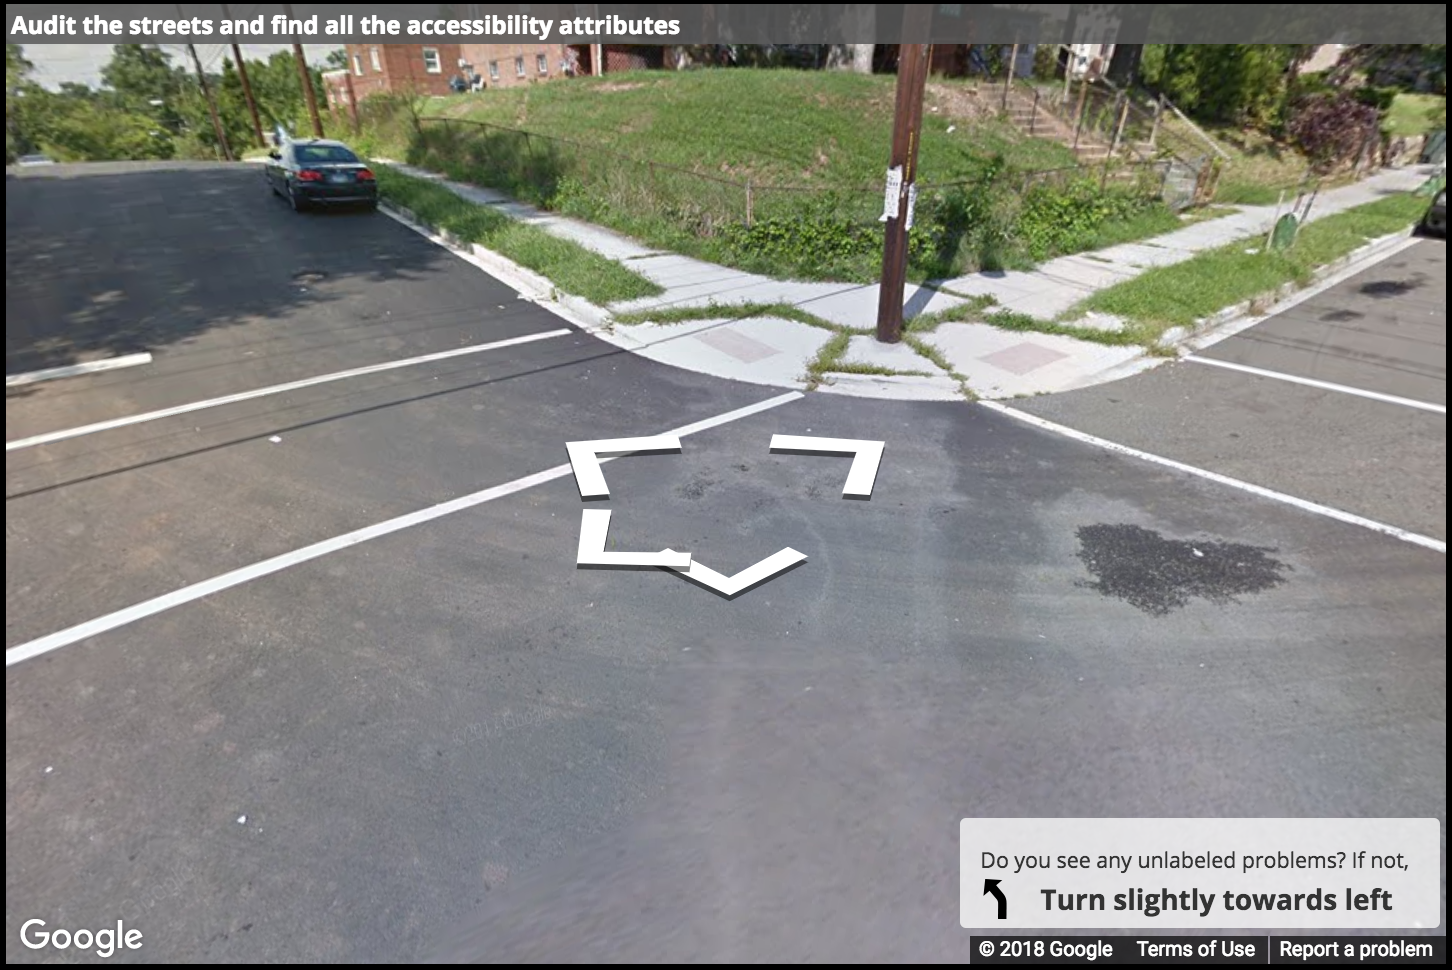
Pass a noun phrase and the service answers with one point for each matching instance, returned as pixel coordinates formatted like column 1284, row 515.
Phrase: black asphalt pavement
column 1384, row 330
column 452, row 743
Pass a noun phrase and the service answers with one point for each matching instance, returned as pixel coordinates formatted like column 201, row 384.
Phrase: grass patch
column 1411, row 115
column 568, row 265
column 828, row 359
column 1185, row 293
column 665, row 316
column 983, row 311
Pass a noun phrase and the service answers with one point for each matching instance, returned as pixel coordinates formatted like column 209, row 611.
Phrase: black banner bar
column 1209, row 951
column 669, row 24
column 1359, row 950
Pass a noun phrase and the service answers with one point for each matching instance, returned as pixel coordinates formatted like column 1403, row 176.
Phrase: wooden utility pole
column 246, row 86
column 912, row 76
column 211, row 104
column 307, row 80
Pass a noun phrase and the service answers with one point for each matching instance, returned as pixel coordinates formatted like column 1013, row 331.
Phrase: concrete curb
column 598, row 321
column 1248, row 312
column 530, row 285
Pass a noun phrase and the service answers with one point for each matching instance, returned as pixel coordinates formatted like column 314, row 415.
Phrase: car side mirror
column 275, row 156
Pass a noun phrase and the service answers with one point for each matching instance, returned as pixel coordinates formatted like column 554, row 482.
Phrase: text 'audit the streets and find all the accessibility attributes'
column 1207, row 876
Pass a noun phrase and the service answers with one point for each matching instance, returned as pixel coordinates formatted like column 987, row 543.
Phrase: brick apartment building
column 431, row 69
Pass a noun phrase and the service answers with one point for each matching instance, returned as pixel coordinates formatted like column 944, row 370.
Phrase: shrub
column 1332, row 128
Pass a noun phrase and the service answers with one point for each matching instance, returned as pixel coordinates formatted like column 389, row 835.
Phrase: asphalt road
column 1383, row 331
column 450, row 742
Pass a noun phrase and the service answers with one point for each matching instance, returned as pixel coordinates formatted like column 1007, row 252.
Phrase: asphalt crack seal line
column 1427, row 542
column 237, row 577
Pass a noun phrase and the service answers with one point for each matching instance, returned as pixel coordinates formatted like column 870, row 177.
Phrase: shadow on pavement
column 91, row 271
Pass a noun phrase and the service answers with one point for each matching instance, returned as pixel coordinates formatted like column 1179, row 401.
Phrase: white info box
column 1200, row 873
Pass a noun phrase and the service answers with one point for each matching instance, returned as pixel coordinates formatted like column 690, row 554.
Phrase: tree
column 17, row 86
column 337, row 59
column 1332, row 128
column 1241, row 84
column 146, row 82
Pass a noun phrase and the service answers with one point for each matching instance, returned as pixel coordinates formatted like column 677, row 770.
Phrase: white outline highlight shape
column 595, row 527
column 729, row 586
column 585, row 458
column 867, row 456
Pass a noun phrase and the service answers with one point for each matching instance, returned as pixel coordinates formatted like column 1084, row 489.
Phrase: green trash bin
column 1284, row 233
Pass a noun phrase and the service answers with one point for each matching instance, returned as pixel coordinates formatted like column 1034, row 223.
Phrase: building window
column 432, row 63
column 519, row 67
column 493, row 70
column 358, row 64
column 542, row 63
column 377, row 61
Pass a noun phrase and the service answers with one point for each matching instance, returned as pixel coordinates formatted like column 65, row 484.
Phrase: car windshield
column 324, row 153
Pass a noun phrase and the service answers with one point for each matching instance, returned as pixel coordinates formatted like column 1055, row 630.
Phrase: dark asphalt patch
column 1385, row 289
column 1157, row 575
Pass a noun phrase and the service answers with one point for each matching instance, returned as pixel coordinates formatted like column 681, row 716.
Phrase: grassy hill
column 777, row 172
column 783, row 128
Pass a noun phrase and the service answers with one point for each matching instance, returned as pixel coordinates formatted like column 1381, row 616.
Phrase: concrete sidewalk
column 993, row 362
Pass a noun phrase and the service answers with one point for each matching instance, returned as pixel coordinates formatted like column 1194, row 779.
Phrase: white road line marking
column 45, row 439
column 267, row 567
column 1323, row 385
column 1428, row 542
column 76, row 370
column 1217, row 334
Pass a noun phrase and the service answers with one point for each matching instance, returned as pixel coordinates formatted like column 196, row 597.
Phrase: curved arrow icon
column 585, row 458
column 990, row 888
column 866, row 457
column 752, row 576
column 595, row 526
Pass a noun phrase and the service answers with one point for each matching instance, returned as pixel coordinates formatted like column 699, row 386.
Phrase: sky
column 58, row 63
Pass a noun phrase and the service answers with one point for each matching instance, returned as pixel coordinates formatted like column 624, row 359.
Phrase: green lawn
column 1185, row 293
column 772, row 127
column 1413, row 114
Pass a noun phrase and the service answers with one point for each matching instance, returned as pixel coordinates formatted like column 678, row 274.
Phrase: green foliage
column 1070, row 219
column 1046, row 61
column 1380, row 98
column 567, row 264
column 147, row 107
column 1230, row 83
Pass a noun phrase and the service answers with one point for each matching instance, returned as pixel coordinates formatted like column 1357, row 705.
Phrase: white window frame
column 358, row 64
column 542, row 63
column 433, row 63
column 376, row 59
column 519, row 66
column 493, row 70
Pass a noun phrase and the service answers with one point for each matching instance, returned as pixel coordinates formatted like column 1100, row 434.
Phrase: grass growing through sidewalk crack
column 569, row 266
column 981, row 312
column 1185, row 293
column 665, row 316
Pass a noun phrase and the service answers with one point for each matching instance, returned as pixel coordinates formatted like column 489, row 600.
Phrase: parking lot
column 300, row 665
